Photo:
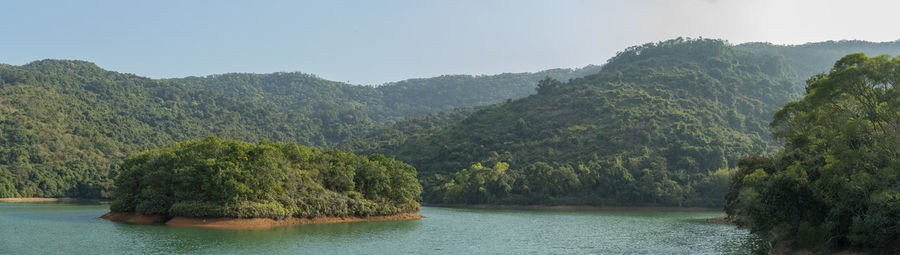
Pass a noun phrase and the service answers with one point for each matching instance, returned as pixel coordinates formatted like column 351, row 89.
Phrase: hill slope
column 66, row 125
column 355, row 105
column 652, row 128
column 813, row 58
column 660, row 124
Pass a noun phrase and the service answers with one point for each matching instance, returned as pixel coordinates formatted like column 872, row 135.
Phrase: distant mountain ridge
column 295, row 91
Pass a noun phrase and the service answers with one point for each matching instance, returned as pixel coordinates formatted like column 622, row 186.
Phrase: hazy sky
column 372, row 42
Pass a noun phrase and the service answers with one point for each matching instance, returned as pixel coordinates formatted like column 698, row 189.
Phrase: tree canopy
column 216, row 177
column 836, row 183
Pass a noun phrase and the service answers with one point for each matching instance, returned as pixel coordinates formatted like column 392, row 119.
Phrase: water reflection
column 166, row 239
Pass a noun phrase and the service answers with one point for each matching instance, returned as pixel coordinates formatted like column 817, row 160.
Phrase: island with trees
column 216, row 182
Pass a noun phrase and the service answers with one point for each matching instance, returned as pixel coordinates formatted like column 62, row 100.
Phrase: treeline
column 216, row 177
column 836, row 184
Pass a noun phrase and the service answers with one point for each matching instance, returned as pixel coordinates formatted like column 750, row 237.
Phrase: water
column 70, row 228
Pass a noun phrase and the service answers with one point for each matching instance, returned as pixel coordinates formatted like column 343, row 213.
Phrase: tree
column 835, row 184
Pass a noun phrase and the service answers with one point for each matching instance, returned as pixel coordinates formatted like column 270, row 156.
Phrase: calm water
column 75, row 229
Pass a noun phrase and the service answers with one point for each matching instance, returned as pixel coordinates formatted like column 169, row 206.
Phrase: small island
column 221, row 183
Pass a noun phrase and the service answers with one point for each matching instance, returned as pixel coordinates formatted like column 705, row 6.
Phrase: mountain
column 310, row 95
column 695, row 105
column 813, row 58
column 445, row 93
column 65, row 126
column 660, row 124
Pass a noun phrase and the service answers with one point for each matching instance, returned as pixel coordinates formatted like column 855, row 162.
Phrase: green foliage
column 65, row 126
column 661, row 124
column 835, row 185
column 813, row 58
column 345, row 110
column 415, row 97
column 215, row 177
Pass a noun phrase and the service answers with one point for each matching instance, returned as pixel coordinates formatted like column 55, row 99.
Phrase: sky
column 374, row 42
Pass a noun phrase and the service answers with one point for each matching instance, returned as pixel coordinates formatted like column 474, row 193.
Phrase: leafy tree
column 834, row 186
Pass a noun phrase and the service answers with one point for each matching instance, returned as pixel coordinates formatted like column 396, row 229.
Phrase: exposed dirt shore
column 720, row 220
column 251, row 223
column 577, row 207
column 134, row 218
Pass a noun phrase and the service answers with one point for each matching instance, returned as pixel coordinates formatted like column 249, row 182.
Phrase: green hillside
column 661, row 124
column 666, row 119
column 66, row 125
column 445, row 93
column 813, row 58
column 350, row 108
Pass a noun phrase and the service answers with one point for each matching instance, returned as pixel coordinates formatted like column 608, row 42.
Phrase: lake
column 73, row 228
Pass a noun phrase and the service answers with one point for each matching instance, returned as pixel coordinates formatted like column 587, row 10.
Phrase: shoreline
column 721, row 220
column 575, row 207
column 246, row 223
column 52, row 200
column 36, row 199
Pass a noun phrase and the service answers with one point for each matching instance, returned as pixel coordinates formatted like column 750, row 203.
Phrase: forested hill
column 813, row 58
column 661, row 124
column 66, row 125
column 653, row 127
column 444, row 93
column 338, row 103
column 673, row 109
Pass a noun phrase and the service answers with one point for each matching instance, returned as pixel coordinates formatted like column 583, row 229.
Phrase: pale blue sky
column 372, row 42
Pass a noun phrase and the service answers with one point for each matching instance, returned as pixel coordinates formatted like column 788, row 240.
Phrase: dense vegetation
column 836, row 183
column 813, row 58
column 660, row 124
column 341, row 111
column 216, row 177
column 65, row 126
column 445, row 93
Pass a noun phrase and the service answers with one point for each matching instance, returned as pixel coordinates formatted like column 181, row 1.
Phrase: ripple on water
column 74, row 228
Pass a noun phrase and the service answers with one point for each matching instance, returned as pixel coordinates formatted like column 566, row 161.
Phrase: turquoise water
column 70, row 228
